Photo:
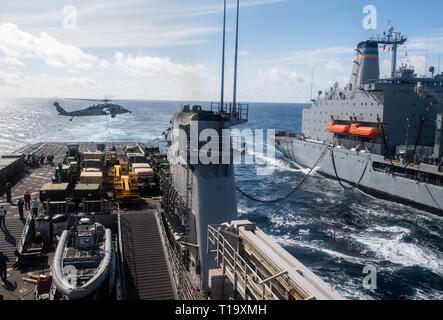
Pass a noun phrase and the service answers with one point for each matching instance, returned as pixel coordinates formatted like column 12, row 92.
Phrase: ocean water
column 335, row 232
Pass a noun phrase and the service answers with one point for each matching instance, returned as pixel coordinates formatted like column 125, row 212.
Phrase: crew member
column 21, row 261
column 208, row 292
column 2, row 217
column 27, row 200
column 3, row 266
column 34, row 206
column 8, row 192
column 20, row 205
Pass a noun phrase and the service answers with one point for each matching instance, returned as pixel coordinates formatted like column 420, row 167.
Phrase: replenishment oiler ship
column 383, row 136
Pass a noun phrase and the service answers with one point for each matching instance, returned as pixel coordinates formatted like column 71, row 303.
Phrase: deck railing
column 247, row 282
column 242, row 109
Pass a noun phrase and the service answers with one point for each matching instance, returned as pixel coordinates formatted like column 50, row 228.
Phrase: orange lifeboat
column 337, row 128
column 365, row 132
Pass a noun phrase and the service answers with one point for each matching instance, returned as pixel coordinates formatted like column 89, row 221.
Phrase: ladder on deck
column 10, row 238
column 146, row 272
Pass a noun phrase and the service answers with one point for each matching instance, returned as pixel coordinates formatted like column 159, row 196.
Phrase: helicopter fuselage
column 94, row 110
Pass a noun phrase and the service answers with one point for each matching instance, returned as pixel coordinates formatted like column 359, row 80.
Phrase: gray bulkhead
column 208, row 189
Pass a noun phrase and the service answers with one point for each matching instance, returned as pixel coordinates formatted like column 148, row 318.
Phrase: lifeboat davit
column 337, row 128
column 365, row 132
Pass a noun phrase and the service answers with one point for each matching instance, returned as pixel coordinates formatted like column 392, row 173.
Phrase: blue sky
column 171, row 49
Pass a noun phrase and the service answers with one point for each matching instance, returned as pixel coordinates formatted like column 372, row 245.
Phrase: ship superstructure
column 384, row 134
column 200, row 209
column 208, row 189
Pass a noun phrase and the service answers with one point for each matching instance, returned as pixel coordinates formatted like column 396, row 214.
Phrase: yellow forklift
column 125, row 184
column 111, row 158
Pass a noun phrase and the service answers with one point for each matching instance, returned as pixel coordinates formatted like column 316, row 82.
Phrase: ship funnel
column 366, row 65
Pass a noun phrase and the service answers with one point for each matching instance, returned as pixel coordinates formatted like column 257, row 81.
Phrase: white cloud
column 149, row 66
column 276, row 84
column 312, row 57
column 105, row 64
column 72, row 71
column 129, row 23
column 243, row 53
column 281, row 77
column 431, row 44
column 16, row 43
column 117, row 24
column 214, row 9
column 11, row 61
column 45, row 85
column 12, row 79
column 82, row 82
column 334, row 66
column 254, row 3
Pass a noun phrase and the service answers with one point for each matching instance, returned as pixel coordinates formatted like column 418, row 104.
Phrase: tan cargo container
column 93, row 155
column 144, row 172
column 135, row 166
column 91, row 170
column 91, row 178
column 145, row 175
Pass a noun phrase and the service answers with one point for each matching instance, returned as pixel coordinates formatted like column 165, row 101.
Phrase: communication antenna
column 426, row 57
column 312, row 81
column 234, row 99
column 223, row 60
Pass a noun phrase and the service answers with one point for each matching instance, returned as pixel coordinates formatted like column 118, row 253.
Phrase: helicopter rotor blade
column 94, row 100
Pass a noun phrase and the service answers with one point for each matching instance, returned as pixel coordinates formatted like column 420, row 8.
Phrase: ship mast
column 234, row 99
column 393, row 39
column 223, row 60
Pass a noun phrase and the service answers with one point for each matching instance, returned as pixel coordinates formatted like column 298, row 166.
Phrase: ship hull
column 350, row 167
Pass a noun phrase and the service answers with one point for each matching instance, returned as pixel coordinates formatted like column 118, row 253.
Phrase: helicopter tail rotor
column 60, row 110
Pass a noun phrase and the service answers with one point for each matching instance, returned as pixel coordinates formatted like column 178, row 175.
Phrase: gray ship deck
column 147, row 272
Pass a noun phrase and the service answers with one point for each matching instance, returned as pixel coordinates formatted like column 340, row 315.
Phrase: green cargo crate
column 87, row 191
column 54, row 192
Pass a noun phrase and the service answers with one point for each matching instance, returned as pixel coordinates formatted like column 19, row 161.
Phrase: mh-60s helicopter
column 104, row 109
